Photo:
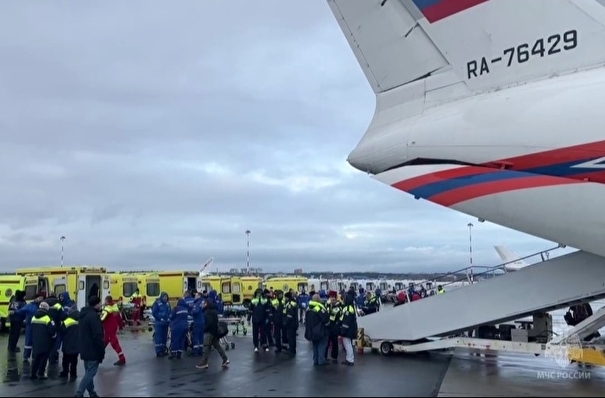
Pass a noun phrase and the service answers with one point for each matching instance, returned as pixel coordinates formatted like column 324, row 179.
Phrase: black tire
column 232, row 346
column 386, row 348
column 226, row 347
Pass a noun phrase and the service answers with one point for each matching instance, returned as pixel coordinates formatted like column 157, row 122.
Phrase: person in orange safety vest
column 111, row 318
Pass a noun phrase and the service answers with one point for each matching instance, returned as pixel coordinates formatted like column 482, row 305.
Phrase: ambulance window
column 236, row 288
column 106, row 285
column 207, row 287
column 226, row 288
column 60, row 289
column 129, row 288
column 153, row 289
column 30, row 292
column 302, row 287
column 199, row 284
column 81, row 285
column 323, row 286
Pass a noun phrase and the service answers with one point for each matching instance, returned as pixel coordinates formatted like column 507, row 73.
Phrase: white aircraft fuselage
column 524, row 147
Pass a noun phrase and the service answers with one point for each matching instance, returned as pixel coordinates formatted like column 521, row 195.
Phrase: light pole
column 248, row 251
column 470, row 250
column 62, row 240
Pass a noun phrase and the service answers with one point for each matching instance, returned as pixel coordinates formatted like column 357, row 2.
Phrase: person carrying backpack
column 317, row 320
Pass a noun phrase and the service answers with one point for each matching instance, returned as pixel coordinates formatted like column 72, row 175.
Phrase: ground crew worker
column 16, row 318
column 198, row 325
column 334, row 309
column 137, row 300
column 370, row 304
column 316, row 329
column 56, row 313
column 440, row 289
column 111, row 318
column 278, row 320
column 348, row 329
column 29, row 311
column 258, row 315
column 161, row 315
column 267, row 329
column 178, row 329
column 71, row 343
column 291, row 322
column 44, row 331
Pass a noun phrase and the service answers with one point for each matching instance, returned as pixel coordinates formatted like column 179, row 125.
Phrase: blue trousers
column 27, row 349
column 161, row 336
column 87, row 382
column 178, row 338
column 319, row 351
column 198, row 339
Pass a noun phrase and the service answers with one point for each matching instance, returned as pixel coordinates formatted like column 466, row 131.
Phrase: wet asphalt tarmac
column 250, row 374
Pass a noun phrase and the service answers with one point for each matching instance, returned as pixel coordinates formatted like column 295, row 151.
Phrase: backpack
column 222, row 330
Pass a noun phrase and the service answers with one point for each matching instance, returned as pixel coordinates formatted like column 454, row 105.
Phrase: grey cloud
column 152, row 135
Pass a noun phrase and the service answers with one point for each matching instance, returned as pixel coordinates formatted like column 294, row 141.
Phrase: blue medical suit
column 178, row 328
column 361, row 298
column 28, row 311
column 66, row 302
column 161, row 315
column 198, row 326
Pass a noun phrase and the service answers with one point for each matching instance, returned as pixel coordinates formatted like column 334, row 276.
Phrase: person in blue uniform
column 189, row 298
column 178, row 329
column 16, row 320
column 28, row 312
column 65, row 303
column 198, row 325
column 303, row 304
column 161, row 315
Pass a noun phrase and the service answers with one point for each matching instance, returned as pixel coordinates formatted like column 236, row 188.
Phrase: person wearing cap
column 70, row 336
column 28, row 312
column 92, row 345
column 334, row 310
column 44, row 331
column 112, row 320
column 16, row 320
column 290, row 321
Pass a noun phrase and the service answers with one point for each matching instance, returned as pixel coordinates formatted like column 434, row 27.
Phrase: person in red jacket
column 112, row 320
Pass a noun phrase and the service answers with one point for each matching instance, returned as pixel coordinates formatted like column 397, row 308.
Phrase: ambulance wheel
column 386, row 348
column 233, row 346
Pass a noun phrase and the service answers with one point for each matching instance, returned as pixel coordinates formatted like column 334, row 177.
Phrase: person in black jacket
column 44, row 331
column 211, row 336
column 348, row 329
column 92, row 344
column 70, row 334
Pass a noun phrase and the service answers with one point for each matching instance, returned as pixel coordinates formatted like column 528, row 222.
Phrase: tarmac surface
column 250, row 374
column 517, row 375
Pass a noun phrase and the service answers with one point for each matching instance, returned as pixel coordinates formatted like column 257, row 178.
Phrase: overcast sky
column 153, row 134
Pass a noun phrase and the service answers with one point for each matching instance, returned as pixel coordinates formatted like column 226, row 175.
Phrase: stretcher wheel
column 232, row 346
column 226, row 347
column 233, row 333
column 245, row 332
column 386, row 348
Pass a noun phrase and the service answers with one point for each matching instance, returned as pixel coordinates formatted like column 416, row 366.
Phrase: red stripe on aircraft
column 462, row 194
column 446, row 8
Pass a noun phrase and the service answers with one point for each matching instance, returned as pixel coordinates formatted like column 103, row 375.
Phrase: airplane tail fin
column 507, row 255
column 439, row 50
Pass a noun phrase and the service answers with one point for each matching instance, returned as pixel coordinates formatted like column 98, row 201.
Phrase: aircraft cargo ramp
column 546, row 286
